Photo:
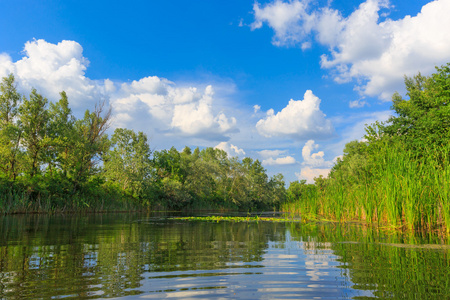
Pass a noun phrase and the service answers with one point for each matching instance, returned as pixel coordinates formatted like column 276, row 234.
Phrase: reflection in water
column 147, row 256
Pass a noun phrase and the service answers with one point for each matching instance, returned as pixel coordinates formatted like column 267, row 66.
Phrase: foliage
column 423, row 119
column 9, row 131
column 209, row 179
column 33, row 124
column 399, row 175
column 127, row 164
column 236, row 219
column 52, row 161
column 48, row 158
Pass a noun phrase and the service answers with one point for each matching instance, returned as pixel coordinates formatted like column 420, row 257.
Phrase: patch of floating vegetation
column 236, row 219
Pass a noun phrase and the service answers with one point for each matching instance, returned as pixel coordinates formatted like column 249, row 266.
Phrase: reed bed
column 400, row 191
column 15, row 199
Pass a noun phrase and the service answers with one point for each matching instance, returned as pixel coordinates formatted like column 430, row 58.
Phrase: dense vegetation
column 399, row 175
column 51, row 161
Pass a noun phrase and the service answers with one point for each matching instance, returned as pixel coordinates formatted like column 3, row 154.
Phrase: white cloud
column 6, row 65
column 287, row 160
column 357, row 104
column 265, row 154
column 256, row 108
column 309, row 173
column 230, row 149
column 196, row 117
column 182, row 111
column 289, row 20
column 313, row 159
column 375, row 53
column 159, row 104
column 273, row 157
column 357, row 37
column 306, row 45
column 314, row 164
column 301, row 119
column 51, row 68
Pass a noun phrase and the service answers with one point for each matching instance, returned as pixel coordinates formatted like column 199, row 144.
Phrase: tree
column 424, row 118
column 9, row 99
column 9, row 131
column 302, row 191
column 354, row 164
column 62, row 133
column 128, row 163
column 90, row 143
column 34, row 120
column 257, row 180
column 277, row 190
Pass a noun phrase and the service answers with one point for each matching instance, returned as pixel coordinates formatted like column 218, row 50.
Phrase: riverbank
column 393, row 189
column 398, row 175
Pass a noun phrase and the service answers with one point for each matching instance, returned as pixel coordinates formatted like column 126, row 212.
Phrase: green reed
column 235, row 219
column 400, row 190
column 15, row 198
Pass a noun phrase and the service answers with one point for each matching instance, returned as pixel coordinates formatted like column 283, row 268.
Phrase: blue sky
column 286, row 82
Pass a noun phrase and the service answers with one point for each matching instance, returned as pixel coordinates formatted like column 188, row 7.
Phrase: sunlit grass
column 236, row 219
column 401, row 192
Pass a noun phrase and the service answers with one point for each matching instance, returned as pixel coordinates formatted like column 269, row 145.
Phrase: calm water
column 133, row 256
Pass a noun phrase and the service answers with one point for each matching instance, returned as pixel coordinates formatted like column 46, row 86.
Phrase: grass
column 235, row 219
column 401, row 191
column 16, row 199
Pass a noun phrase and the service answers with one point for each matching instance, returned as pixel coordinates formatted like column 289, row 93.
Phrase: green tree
column 9, row 99
column 168, row 164
column 90, row 143
column 277, row 190
column 297, row 189
column 63, row 135
column 424, row 118
column 34, row 122
column 128, row 163
column 170, row 175
column 9, row 131
column 256, row 179
column 353, row 167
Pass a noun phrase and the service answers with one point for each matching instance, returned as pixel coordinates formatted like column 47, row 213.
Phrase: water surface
column 148, row 256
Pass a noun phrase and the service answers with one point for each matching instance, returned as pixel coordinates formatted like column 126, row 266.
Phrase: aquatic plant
column 236, row 219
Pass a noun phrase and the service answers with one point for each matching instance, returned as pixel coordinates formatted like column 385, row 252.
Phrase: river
column 151, row 256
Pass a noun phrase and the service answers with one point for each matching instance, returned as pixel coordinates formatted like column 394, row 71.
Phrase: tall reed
column 400, row 190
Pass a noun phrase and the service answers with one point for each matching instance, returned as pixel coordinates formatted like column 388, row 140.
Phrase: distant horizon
column 285, row 82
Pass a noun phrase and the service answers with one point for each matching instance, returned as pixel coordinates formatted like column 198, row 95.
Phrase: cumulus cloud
column 365, row 46
column 157, row 103
column 300, row 119
column 52, row 68
column 314, row 164
column 313, row 159
column 287, row 160
column 289, row 20
column 308, row 174
column 271, row 153
column 274, row 157
column 230, row 149
column 357, row 104
column 183, row 111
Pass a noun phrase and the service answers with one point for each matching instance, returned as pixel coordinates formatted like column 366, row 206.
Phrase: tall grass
column 19, row 198
column 400, row 191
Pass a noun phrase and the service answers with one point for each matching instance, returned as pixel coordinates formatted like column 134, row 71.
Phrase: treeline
column 52, row 161
column 399, row 174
